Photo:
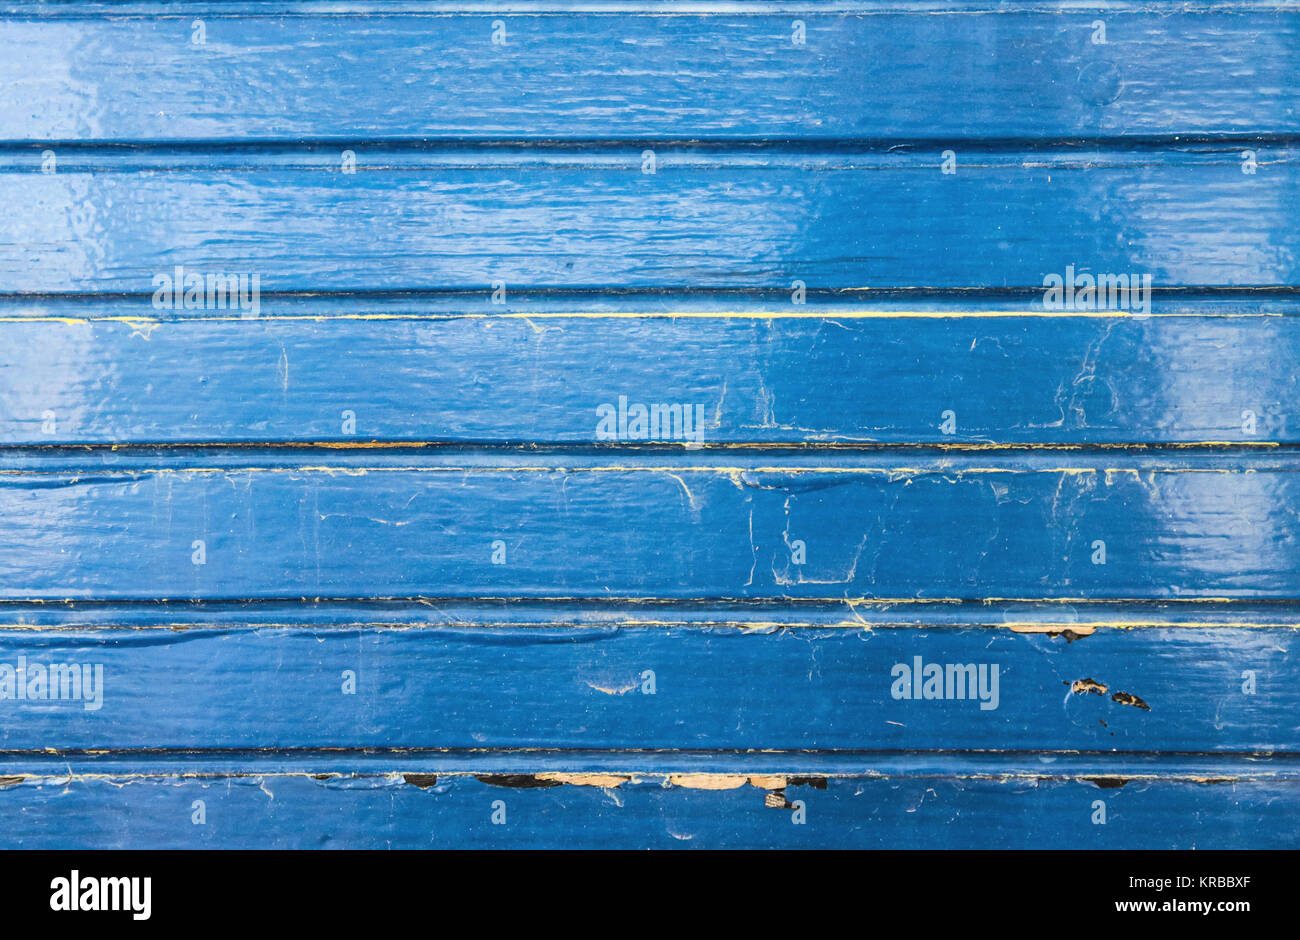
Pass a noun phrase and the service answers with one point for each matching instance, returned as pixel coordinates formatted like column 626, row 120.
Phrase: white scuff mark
column 921, row 801
column 717, row 412
column 785, row 580
column 753, row 549
column 867, row 626
column 351, row 515
column 143, row 329
column 533, row 326
column 690, row 497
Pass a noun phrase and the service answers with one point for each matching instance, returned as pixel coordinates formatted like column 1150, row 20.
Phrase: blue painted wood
column 639, row 686
column 379, row 469
column 904, row 71
column 455, row 369
column 456, row 812
column 701, row 221
column 713, row 525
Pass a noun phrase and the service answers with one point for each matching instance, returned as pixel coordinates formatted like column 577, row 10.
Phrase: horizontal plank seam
column 902, row 148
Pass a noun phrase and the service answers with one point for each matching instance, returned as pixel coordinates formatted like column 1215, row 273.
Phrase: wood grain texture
column 455, row 370
column 1186, row 219
column 638, row 687
column 969, row 71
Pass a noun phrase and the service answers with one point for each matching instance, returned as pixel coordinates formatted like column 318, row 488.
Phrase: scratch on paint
column 622, row 690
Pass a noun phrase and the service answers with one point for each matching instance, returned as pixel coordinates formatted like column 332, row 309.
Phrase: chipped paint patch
column 708, row 781
column 609, row 781
column 1128, row 698
column 1088, row 686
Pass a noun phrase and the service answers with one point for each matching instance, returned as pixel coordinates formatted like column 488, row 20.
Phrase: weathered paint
column 620, row 688
column 635, row 70
column 453, row 370
column 714, row 525
column 391, row 812
column 842, row 221
column 391, row 471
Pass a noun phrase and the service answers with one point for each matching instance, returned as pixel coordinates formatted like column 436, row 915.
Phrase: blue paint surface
column 734, row 222
column 454, row 370
column 456, row 812
column 569, row 525
column 352, row 559
column 903, row 71
column 622, row 688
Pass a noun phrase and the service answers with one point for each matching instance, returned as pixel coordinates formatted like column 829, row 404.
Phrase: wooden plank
column 702, row 220
column 714, row 525
column 639, row 71
column 634, row 687
column 457, row 811
column 439, row 369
